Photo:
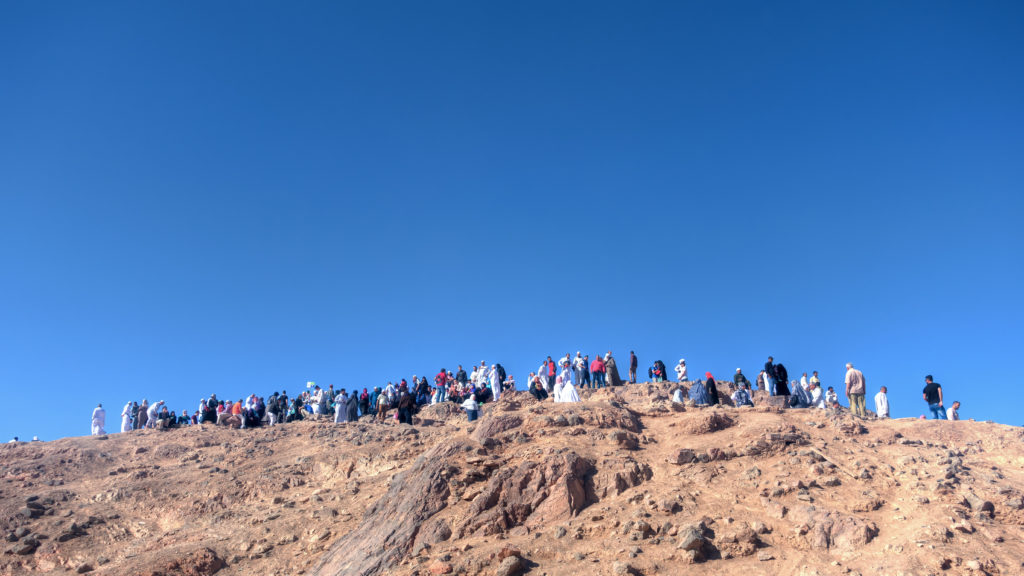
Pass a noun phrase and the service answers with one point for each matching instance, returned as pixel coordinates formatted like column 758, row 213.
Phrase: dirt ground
column 621, row 483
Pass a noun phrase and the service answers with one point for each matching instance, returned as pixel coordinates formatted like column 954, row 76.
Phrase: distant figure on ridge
column 99, row 420
column 933, row 396
column 632, row 367
column 126, row 418
column 597, row 369
column 882, row 403
column 611, row 370
column 954, row 411
column 681, row 375
column 855, row 390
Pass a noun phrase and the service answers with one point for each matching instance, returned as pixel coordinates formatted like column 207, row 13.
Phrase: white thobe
column 126, row 418
column 99, row 420
column 882, row 405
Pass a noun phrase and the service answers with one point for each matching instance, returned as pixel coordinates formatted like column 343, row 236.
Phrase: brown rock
column 539, row 492
column 509, row 566
column 495, row 424
column 441, row 568
column 386, row 533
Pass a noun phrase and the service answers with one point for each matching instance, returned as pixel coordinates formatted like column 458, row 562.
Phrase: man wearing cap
column 855, row 390
column 740, row 380
column 681, row 371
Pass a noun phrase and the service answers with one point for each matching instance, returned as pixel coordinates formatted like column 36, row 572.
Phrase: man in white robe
column 99, row 420
column 882, row 403
column 126, row 417
column 152, row 413
column 340, row 408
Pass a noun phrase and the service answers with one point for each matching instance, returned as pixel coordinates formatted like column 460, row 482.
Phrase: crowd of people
column 556, row 380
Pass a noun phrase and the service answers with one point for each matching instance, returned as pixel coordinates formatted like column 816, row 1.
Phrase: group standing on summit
column 557, row 380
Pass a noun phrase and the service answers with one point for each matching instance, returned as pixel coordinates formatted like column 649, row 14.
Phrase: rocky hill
column 621, row 483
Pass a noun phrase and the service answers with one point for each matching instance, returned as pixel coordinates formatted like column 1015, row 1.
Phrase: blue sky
column 238, row 197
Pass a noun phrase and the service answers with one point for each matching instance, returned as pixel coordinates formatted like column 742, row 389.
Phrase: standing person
column 578, row 366
column 126, row 418
column 815, row 379
column 681, row 374
column 341, row 407
column 933, row 396
column 954, row 411
column 460, row 376
column 597, row 369
column 586, row 370
column 352, row 405
column 550, row 374
column 769, row 375
column 855, row 390
column 711, row 387
column 781, row 377
column 99, row 420
column 882, row 403
column 632, row 367
column 611, row 370
column 140, row 422
column 405, row 402
column 762, row 381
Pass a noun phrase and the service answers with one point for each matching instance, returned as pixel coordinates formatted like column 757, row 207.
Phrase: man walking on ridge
column 855, row 390
column 99, row 420
column 882, row 403
column 933, row 396
column 632, row 367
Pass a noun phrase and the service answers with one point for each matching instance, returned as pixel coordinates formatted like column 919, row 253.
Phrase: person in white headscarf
column 556, row 394
column 493, row 380
column 681, row 371
column 568, row 392
column 99, row 420
column 126, row 417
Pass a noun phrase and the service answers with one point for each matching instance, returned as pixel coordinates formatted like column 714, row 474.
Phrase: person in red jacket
column 597, row 371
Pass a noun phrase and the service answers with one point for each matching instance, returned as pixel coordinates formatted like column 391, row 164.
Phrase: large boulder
column 386, row 534
column 534, row 492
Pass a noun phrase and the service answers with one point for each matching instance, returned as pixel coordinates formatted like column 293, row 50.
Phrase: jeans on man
column 771, row 385
column 938, row 411
column 598, row 379
column 586, row 377
column 857, row 405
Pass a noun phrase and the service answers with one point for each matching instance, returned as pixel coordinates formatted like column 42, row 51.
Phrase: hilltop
column 621, row 483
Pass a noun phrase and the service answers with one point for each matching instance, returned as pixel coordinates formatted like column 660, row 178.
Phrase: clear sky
column 238, row 197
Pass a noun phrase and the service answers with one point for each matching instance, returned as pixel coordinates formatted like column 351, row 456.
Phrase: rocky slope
column 622, row 483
